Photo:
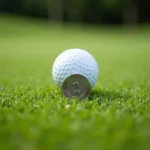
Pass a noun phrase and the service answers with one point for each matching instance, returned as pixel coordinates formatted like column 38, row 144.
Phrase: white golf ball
column 75, row 61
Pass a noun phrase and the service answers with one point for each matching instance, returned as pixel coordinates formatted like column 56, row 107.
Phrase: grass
column 32, row 109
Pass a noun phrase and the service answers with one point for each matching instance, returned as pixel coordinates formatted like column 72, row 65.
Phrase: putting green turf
column 32, row 109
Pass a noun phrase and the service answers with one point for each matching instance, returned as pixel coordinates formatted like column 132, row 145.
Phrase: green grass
column 32, row 110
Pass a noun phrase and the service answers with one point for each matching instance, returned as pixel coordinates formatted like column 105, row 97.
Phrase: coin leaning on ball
column 75, row 71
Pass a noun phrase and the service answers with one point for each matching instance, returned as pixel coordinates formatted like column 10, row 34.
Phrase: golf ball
column 75, row 61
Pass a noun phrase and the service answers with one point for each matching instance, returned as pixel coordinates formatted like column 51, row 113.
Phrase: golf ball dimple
column 75, row 61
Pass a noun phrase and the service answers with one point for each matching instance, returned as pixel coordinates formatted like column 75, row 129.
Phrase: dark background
column 83, row 11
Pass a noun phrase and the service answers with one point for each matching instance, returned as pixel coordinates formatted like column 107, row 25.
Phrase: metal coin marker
column 76, row 86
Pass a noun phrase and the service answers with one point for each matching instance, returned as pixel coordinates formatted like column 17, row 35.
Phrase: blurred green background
column 85, row 11
column 33, row 113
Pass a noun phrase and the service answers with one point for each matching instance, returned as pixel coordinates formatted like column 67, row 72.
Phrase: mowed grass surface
column 32, row 109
